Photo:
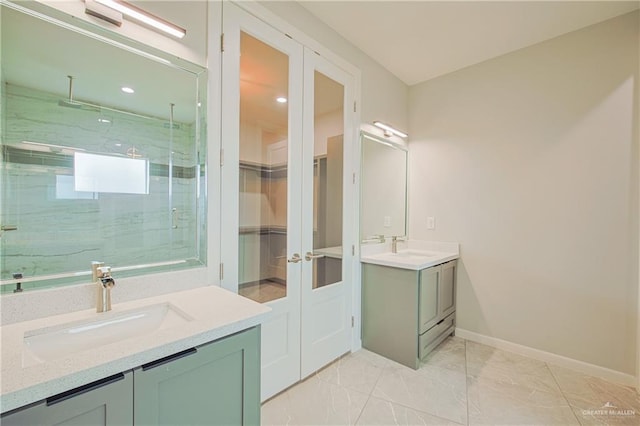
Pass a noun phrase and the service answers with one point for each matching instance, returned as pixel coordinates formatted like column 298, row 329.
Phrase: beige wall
column 530, row 161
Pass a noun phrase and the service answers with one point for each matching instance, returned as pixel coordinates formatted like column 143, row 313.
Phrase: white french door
column 286, row 139
column 327, row 221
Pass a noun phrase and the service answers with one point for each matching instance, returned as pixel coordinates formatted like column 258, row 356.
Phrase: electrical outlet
column 387, row 221
column 431, row 222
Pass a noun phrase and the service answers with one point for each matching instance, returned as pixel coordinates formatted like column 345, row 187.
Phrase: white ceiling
column 420, row 40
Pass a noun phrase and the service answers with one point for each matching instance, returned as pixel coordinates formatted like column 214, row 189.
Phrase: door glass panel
column 327, row 180
column 264, row 82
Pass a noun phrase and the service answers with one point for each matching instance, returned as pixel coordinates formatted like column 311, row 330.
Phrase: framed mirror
column 383, row 204
column 103, row 155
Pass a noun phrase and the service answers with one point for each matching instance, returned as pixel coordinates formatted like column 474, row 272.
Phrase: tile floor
column 461, row 382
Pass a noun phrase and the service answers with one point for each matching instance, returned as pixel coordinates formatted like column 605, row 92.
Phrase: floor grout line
column 364, row 407
column 555, row 379
column 373, row 388
column 466, row 378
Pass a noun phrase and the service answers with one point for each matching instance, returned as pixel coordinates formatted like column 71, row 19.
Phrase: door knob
column 311, row 256
column 295, row 258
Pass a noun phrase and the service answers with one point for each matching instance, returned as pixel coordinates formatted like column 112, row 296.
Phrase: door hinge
column 353, row 322
column 353, row 250
column 353, row 178
column 221, row 156
column 221, row 271
column 354, row 106
column 222, row 42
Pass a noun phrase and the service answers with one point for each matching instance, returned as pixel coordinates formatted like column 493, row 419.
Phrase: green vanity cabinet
column 214, row 384
column 217, row 383
column 407, row 313
column 104, row 402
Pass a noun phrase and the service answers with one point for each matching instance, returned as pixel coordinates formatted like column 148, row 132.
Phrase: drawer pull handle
column 84, row 389
column 440, row 322
column 167, row 359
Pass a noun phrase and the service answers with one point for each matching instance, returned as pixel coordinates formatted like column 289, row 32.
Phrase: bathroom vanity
column 199, row 363
column 408, row 302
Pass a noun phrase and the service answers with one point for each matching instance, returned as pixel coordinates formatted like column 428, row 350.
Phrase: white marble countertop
column 213, row 311
column 412, row 254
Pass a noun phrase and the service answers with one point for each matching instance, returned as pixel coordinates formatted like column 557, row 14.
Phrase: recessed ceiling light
column 104, row 120
column 118, row 144
column 127, row 89
column 281, row 99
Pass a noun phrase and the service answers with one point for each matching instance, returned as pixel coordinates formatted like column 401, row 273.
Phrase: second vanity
column 408, row 299
column 195, row 358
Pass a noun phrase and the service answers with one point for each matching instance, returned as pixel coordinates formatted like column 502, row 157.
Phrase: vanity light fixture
column 281, row 99
column 144, row 17
column 126, row 89
column 388, row 130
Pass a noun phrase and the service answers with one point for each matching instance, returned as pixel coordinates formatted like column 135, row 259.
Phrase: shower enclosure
column 90, row 172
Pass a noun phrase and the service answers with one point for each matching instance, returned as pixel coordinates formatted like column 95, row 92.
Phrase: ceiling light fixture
column 389, row 130
column 127, row 89
column 144, row 17
column 281, row 99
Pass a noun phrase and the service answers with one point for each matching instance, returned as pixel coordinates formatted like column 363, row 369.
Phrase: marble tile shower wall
column 59, row 234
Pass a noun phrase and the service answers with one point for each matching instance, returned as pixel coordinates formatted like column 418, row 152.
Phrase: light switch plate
column 431, row 222
column 387, row 221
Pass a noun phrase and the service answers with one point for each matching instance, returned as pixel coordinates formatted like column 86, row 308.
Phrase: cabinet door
column 213, row 384
column 429, row 279
column 104, row 402
column 447, row 291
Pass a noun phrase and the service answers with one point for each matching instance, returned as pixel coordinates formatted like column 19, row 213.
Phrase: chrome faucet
column 394, row 243
column 105, row 282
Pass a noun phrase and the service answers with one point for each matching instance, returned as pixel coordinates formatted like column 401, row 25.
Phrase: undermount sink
column 412, row 253
column 50, row 343
column 407, row 255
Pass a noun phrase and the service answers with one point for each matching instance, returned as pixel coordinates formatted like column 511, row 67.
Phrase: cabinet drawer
column 107, row 402
column 436, row 334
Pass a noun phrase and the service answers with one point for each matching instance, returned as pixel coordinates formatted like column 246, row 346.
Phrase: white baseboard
column 551, row 358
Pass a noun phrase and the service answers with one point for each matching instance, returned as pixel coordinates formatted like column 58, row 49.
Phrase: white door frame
column 260, row 11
